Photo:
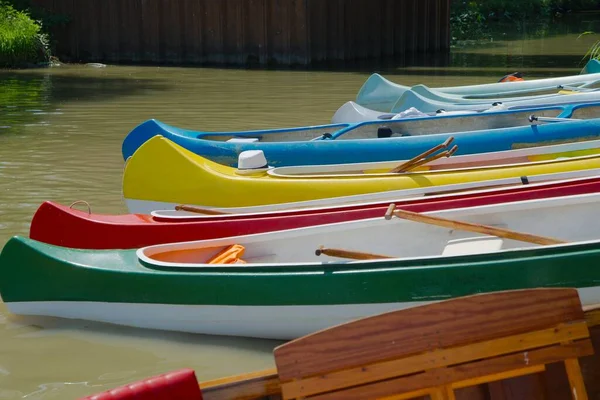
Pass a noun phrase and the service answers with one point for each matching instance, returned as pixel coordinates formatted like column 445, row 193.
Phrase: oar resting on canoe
column 444, row 222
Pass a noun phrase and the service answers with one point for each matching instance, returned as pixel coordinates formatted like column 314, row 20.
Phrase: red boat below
column 61, row 225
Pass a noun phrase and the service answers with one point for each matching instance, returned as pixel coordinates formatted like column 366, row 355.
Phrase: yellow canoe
column 161, row 174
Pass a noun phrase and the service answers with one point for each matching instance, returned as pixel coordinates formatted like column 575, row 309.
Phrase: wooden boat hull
column 63, row 226
column 380, row 94
column 349, row 143
column 271, row 300
column 191, row 179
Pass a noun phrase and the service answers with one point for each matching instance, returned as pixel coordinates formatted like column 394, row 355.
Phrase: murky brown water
column 60, row 139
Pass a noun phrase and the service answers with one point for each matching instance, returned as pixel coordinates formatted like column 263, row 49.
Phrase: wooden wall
column 238, row 32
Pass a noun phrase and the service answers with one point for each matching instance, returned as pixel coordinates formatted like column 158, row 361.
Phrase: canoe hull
column 191, row 179
column 41, row 279
column 483, row 133
column 94, row 231
column 266, row 322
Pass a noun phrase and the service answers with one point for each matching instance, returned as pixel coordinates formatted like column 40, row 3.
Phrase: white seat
column 472, row 245
column 243, row 140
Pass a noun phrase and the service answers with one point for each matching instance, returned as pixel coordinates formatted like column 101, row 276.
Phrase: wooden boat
column 378, row 140
column 64, row 226
column 426, row 343
column 193, row 180
column 380, row 94
column 265, row 297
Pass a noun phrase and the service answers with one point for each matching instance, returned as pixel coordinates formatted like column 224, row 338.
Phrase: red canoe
column 60, row 225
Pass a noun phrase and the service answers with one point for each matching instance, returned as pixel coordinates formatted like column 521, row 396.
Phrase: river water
column 60, row 135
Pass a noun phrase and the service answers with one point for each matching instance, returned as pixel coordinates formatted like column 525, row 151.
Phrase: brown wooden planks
column 233, row 34
column 253, row 385
column 150, row 31
column 436, row 377
column 441, row 358
column 255, row 26
column 299, row 49
column 241, row 31
column 415, row 330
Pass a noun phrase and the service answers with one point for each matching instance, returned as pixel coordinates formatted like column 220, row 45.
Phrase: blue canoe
column 370, row 141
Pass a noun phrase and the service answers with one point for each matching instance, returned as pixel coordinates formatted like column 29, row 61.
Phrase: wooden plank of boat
column 82, row 229
column 264, row 296
column 266, row 383
column 343, row 143
column 192, row 179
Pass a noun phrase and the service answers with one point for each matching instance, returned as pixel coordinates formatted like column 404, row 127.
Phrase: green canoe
column 280, row 301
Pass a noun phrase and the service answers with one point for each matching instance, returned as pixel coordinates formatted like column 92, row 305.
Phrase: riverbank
column 21, row 41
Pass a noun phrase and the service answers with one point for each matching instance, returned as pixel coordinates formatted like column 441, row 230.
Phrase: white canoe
column 380, row 94
column 410, row 99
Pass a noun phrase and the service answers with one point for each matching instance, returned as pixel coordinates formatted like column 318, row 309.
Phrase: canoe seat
column 229, row 255
column 243, row 140
column 473, row 245
column 440, row 347
column 181, row 384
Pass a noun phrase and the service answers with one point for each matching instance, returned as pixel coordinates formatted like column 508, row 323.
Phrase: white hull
column 380, row 93
column 425, row 105
column 148, row 206
column 269, row 322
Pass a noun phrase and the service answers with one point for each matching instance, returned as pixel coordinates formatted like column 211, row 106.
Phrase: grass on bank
column 21, row 40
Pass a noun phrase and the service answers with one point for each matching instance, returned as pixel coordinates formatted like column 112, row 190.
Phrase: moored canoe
column 194, row 180
column 380, row 94
column 366, row 141
column 268, row 296
column 79, row 229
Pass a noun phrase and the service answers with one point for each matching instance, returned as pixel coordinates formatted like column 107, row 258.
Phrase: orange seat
column 229, row 255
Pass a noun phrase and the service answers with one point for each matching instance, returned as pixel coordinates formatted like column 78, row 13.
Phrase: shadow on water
column 26, row 97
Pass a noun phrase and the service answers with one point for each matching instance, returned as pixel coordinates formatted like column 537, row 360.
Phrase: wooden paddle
column 402, row 167
column 198, row 210
column 355, row 255
column 445, row 153
column 468, row 226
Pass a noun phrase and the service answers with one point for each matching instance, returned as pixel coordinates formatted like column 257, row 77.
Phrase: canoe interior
column 398, row 238
column 406, row 127
column 273, row 136
column 474, row 122
column 517, row 156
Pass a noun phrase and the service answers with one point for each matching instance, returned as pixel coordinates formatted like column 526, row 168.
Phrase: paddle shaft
column 198, row 210
column 445, row 153
column 468, row 226
column 402, row 167
column 355, row 255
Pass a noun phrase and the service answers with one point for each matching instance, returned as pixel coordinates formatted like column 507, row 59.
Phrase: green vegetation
column 594, row 52
column 469, row 19
column 21, row 40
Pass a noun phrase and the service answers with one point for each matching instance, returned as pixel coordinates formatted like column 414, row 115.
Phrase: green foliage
column 469, row 19
column 594, row 52
column 47, row 20
column 21, row 41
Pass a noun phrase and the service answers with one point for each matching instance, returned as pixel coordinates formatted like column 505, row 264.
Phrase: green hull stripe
column 34, row 271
